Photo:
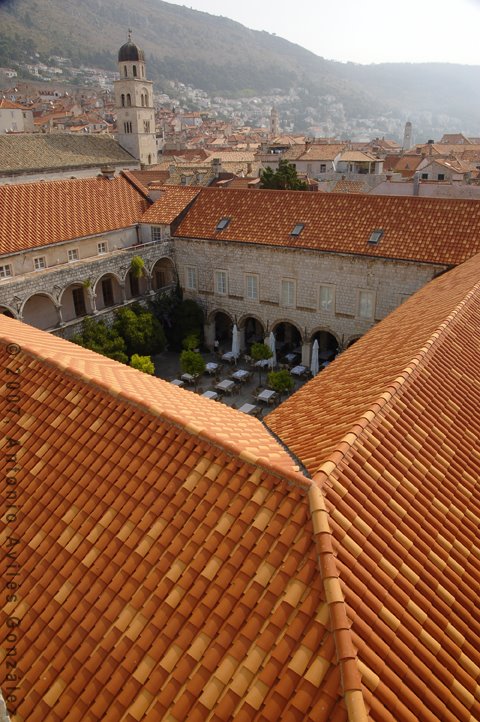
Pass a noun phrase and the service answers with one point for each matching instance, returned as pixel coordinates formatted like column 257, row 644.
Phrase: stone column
column 92, row 298
column 61, row 322
column 123, row 295
column 306, row 353
column 209, row 332
column 241, row 333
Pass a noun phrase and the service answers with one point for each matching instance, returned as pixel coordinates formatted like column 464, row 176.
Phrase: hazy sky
column 364, row 31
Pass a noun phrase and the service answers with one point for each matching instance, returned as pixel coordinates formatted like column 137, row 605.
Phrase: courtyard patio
column 241, row 385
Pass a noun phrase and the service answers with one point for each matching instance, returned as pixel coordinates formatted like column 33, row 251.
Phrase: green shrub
column 142, row 363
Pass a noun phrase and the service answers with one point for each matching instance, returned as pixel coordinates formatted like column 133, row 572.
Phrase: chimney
column 216, row 166
column 108, row 172
column 416, row 184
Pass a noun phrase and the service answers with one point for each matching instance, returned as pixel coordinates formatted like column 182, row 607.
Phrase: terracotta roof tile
column 402, row 496
column 151, row 619
column 173, row 201
column 33, row 152
column 431, row 230
column 44, row 213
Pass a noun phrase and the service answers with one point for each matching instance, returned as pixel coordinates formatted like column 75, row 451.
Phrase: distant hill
column 225, row 58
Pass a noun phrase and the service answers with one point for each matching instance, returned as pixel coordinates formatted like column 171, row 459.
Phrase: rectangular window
column 323, row 167
column 288, row 293
column 107, row 291
column 326, row 299
column 39, row 262
column 5, row 271
column 251, row 286
column 157, row 233
column 101, row 248
column 441, row 176
column 79, row 302
column 221, row 282
column 73, row 255
column 146, row 126
column 366, row 304
column 191, row 278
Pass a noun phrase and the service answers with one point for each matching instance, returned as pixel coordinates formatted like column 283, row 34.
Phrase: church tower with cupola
column 134, row 105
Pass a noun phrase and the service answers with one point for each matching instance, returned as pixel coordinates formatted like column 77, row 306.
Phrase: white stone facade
column 359, row 290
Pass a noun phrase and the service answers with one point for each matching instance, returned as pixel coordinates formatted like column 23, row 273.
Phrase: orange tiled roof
column 172, row 202
column 430, row 230
column 323, row 151
column 43, row 213
column 8, row 105
column 391, row 431
column 170, row 555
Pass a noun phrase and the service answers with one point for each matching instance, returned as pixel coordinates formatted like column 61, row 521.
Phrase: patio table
column 267, row 395
column 188, row 378
column 228, row 357
column 298, row 370
column 225, row 385
column 248, row 408
column 211, row 367
column 210, row 394
column 178, row 382
column 263, row 362
column 290, row 357
column 241, row 375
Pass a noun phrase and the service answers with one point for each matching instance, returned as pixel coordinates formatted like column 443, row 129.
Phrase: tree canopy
column 284, row 178
column 143, row 363
column 142, row 332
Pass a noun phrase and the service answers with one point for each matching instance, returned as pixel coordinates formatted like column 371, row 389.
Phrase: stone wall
column 390, row 281
column 52, row 283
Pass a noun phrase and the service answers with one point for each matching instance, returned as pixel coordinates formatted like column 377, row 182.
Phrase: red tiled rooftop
column 430, row 230
column 391, row 433
column 170, row 568
column 173, row 201
column 44, row 213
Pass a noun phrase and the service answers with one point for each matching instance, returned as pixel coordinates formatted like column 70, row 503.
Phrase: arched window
column 123, row 100
column 134, row 71
column 149, row 159
column 129, row 100
column 125, row 70
column 143, row 100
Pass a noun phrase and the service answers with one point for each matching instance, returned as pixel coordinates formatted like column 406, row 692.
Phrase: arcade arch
column 40, row 311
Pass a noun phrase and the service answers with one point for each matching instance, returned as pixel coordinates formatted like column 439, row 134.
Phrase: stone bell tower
column 134, row 105
column 274, row 126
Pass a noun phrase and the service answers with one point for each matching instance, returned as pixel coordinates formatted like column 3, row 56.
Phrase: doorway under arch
column 327, row 345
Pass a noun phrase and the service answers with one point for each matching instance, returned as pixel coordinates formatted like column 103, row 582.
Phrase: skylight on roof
column 222, row 223
column 375, row 237
column 298, row 229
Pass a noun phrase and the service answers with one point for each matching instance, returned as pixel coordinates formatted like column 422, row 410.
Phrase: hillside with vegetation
column 225, row 58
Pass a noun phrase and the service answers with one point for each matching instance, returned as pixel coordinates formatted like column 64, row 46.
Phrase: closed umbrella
column 235, row 342
column 272, row 362
column 314, row 365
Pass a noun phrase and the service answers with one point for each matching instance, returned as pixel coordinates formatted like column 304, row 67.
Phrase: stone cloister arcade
column 59, row 298
column 290, row 338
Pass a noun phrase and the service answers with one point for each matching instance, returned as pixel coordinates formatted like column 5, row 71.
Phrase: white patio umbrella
column 272, row 361
column 314, row 365
column 235, row 342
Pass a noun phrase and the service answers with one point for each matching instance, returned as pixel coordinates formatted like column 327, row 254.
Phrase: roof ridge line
column 128, row 175
column 371, row 413
column 351, row 679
